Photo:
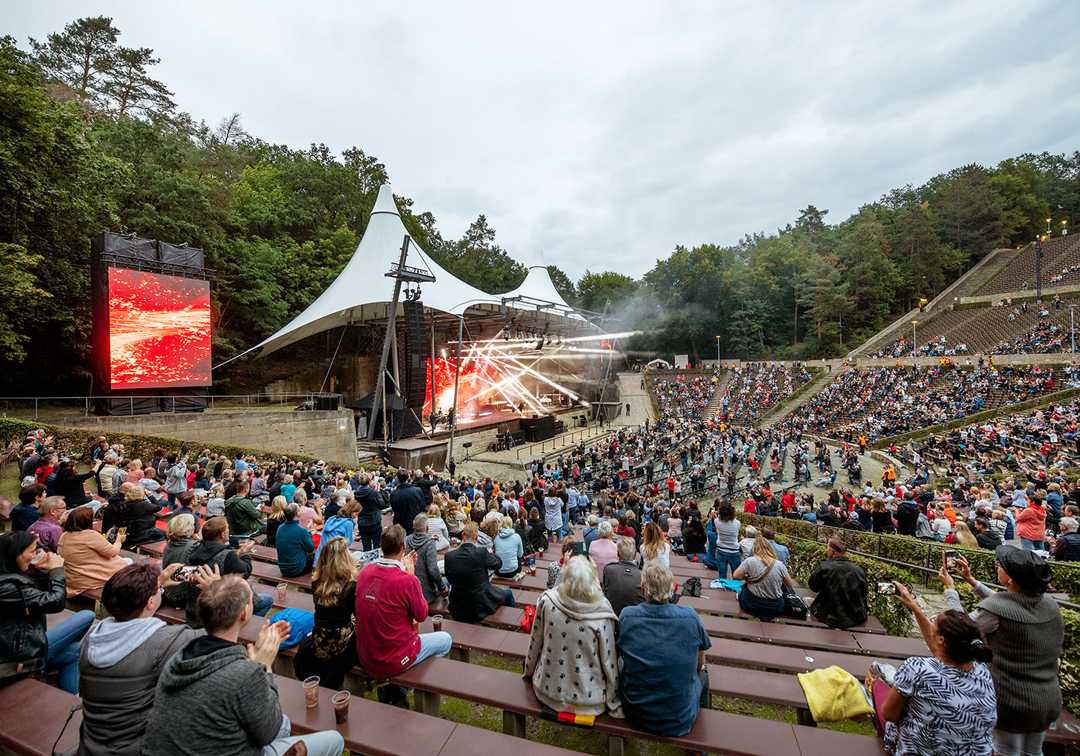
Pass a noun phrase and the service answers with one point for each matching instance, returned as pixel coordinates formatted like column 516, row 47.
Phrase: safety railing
column 44, row 407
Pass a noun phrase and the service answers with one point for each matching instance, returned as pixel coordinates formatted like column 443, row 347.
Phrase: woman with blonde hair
column 582, row 676
column 765, row 576
column 456, row 517
column 181, row 540
column 330, row 650
column 437, row 526
column 275, row 518
column 654, row 547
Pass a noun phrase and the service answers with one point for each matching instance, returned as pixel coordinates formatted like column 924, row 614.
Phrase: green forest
column 90, row 140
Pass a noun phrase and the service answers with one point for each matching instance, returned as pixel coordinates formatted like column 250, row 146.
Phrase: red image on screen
column 159, row 330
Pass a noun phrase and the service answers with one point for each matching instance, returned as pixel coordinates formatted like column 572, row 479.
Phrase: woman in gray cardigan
column 121, row 659
column 1024, row 630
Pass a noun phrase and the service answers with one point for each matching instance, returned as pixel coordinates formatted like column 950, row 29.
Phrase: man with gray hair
column 591, row 533
column 662, row 646
column 427, row 559
column 1066, row 547
column 621, row 580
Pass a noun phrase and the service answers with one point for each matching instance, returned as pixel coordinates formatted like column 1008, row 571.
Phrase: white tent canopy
column 363, row 292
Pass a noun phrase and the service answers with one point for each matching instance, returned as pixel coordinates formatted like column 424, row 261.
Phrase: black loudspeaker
column 327, row 401
column 416, row 348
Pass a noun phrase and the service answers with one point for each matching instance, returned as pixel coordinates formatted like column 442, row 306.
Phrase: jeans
column 508, row 598
column 1029, row 545
column 370, row 536
column 725, row 559
column 64, row 648
column 433, row 644
column 1018, row 743
column 262, row 602
column 325, row 743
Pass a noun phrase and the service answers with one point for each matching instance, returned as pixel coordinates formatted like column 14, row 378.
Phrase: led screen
column 159, row 330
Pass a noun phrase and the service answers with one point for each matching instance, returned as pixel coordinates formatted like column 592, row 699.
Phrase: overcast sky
column 600, row 135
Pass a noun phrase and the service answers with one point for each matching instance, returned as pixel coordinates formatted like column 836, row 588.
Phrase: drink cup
column 281, row 591
column 341, row 706
column 311, row 692
column 436, row 623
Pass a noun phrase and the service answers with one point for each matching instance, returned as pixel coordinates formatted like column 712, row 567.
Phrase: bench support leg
column 427, row 703
column 461, row 654
column 514, row 724
column 804, row 717
column 616, row 746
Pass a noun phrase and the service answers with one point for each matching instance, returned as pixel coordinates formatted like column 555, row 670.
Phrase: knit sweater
column 1027, row 645
column 572, row 656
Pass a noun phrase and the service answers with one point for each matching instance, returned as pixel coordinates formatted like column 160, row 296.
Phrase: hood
column 581, row 611
column 109, row 642
column 205, row 551
column 179, row 672
column 416, row 541
column 506, row 532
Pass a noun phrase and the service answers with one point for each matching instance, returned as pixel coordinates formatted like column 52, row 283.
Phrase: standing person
column 369, row 521
column 472, row 596
column 1031, row 526
column 582, row 677
column 553, row 518
column 389, row 608
column 420, row 546
column 120, row 661
column 842, row 589
column 227, row 689
column 944, row 703
column 330, row 650
column 176, row 475
column 728, row 554
column 1024, row 629
column 407, row 501
column 662, row 650
column 762, row 595
column 32, row 586
column 654, row 547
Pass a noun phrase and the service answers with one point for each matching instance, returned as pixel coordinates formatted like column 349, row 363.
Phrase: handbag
column 692, row 587
column 794, row 606
column 528, row 613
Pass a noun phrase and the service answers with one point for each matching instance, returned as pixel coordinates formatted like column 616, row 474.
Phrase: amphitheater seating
column 1019, row 273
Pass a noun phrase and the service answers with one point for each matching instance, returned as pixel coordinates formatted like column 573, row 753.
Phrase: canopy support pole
column 457, row 379
column 379, row 400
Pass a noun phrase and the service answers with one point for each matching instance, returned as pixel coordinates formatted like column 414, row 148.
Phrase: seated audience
column 216, row 696
column 121, row 659
column 389, row 608
column 604, row 550
column 654, row 547
column 215, row 552
column 245, row 519
column 621, row 580
column 472, row 596
column 89, row 558
column 31, row 586
column 421, row 546
column 662, row 650
column 138, row 513
column 47, row 527
column 274, row 518
column 28, row 510
column 841, row 587
column 330, row 650
column 1067, row 545
column 509, row 549
column 295, row 547
column 765, row 576
column 181, row 541
column 583, row 677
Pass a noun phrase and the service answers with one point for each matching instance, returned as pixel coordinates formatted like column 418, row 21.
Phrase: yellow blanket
column 834, row 694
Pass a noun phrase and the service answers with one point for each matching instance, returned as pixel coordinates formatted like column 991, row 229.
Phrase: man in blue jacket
column 407, row 501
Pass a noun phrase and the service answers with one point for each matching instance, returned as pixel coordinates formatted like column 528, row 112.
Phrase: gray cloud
column 600, row 135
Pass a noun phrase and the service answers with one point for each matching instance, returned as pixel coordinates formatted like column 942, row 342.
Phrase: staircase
column 806, row 393
column 714, row 404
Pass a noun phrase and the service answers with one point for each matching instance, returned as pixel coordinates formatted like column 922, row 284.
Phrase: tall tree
column 129, row 89
column 80, row 56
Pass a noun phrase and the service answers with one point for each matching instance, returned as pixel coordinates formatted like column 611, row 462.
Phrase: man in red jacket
column 389, row 607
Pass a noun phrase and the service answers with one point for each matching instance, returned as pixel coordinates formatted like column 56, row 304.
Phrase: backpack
column 692, row 587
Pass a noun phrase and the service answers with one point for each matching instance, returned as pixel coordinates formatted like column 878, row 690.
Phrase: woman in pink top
column 1031, row 526
column 603, row 550
column 89, row 559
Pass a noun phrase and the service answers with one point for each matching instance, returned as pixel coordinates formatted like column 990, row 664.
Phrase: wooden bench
column 32, row 715
column 382, row 730
column 713, row 731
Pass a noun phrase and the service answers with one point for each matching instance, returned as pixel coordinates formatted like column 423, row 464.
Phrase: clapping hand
column 265, row 648
column 246, row 547
column 205, row 575
column 409, row 562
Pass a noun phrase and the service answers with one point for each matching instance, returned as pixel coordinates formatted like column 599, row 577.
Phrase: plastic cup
column 436, row 622
column 282, row 589
column 311, row 692
column 341, row 706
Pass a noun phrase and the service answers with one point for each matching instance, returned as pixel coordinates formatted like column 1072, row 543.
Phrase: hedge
column 77, row 442
column 914, row 551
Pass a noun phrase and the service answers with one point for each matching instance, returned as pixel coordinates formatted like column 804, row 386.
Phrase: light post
column 718, row 351
column 1038, row 269
column 914, row 346
column 1048, row 231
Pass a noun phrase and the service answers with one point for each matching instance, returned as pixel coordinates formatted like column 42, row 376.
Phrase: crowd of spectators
column 756, row 387
column 939, row 347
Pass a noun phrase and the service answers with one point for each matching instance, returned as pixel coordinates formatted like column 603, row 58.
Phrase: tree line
column 90, row 140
